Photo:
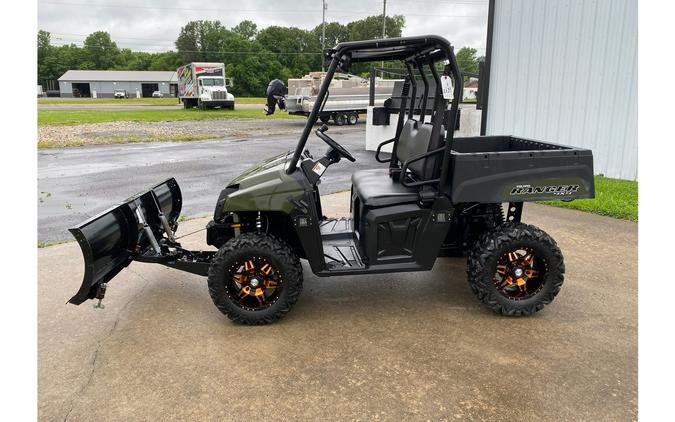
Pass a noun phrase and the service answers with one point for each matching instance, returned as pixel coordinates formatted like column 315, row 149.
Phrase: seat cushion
column 376, row 189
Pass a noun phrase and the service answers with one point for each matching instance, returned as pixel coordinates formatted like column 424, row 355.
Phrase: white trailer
column 349, row 96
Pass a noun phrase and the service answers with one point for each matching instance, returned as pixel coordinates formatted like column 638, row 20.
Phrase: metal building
column 84, row 83
column 566, row 71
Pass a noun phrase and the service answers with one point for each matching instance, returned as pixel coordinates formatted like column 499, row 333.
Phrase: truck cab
column 213, row 90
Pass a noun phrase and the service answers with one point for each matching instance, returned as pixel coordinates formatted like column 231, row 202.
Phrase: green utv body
column 434, row 195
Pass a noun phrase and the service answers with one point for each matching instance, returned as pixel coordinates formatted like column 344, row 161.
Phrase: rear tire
column 230, row 274
column 324, row 118
column 352, row 118
column 503, row 277
column 340, row 119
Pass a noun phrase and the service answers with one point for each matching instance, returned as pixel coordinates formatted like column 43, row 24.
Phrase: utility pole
column 323, row 35
column 384, row 19
column 384, row 27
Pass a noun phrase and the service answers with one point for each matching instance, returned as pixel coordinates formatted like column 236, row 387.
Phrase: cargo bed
column 490, row 169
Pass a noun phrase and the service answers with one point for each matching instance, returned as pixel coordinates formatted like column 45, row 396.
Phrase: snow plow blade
column 112, row 239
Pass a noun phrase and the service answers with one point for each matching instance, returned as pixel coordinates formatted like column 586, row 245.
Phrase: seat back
column 416, row 139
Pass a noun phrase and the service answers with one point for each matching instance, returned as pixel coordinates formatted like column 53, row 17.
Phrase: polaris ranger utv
column 435, row 195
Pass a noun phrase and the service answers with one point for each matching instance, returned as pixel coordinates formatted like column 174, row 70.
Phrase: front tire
column 255, row 279
column 516, row 269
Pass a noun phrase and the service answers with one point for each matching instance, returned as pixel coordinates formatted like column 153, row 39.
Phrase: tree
column 371, row 27
column 335, row 33
column 45, row 56
column 201, row 41
column 101, row 50
column 133, row 60
column 467, row 61
column 246, row 29
column 43, row 44
column 299, row 50
column 168, row 60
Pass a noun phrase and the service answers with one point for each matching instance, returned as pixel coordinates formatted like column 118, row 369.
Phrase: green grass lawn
column 249, row 100
column 76, row 117
column 613, row 197
column 137, row 101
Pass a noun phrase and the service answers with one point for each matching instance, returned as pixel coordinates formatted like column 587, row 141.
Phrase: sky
column 154, row 25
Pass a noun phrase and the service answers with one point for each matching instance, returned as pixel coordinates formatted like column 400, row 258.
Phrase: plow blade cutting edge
column 112, row 239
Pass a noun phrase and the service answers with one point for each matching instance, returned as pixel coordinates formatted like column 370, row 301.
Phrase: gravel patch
column 120, row 132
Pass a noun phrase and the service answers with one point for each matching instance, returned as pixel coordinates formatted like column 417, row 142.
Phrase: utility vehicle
column 435, row 195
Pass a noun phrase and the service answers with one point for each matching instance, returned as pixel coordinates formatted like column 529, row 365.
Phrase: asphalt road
column 77, row 183
column 406, row 346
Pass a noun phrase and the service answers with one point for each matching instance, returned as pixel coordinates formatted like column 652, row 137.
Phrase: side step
column 340, row 245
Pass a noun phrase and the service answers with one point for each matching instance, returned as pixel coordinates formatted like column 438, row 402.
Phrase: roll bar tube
column 314, row 115
column 413, row 94
column 450, row 126
column 423, row 109
column 438, row 94
column 393, row 161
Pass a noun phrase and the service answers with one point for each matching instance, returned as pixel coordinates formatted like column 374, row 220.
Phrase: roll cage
column 418, row 52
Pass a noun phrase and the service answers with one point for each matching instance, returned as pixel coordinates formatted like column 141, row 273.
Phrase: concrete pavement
column 409, row 346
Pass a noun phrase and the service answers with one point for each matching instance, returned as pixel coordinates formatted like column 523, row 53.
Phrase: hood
column 270, row 165
column 214, row 88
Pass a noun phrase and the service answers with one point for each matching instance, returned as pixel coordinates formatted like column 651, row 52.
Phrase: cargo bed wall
column 492, row 169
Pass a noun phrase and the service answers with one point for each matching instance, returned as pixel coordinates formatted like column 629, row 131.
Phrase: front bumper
column 219, row 103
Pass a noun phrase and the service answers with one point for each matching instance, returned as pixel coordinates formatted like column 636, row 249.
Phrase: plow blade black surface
column 110, row 240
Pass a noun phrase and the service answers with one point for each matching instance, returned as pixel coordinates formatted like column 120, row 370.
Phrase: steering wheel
column 331, row 143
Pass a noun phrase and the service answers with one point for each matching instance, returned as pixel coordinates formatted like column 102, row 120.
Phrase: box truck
column 203, row 85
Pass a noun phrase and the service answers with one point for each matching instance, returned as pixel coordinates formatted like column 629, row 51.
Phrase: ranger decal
column 553, row 189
